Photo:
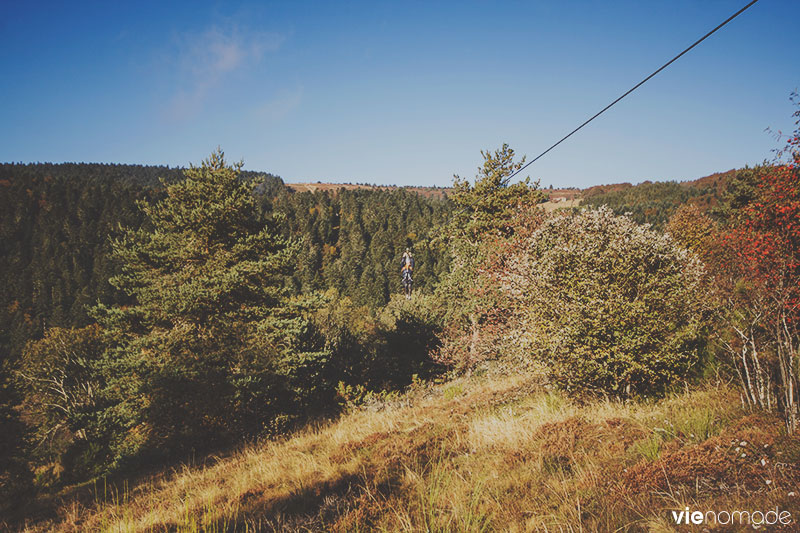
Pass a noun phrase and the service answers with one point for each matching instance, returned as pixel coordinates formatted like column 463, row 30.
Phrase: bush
column 611, row 307
column 380, row 350
column 61, row 384
column 409, row 330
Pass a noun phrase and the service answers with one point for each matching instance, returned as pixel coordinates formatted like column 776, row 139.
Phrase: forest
column 150, row 315
column 60, row 223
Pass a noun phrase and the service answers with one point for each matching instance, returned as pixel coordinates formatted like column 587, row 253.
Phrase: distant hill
column 648, row 202
column 654, row 202
column 428, row 192
column 570, row 195
column 716, row 181
column 555, row 195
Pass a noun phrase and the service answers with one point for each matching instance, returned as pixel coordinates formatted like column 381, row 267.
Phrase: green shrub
column 380, row 350
column 610, row 307
column 452, row 391
column 696, row 424
column 650, row 447
column 353, row 396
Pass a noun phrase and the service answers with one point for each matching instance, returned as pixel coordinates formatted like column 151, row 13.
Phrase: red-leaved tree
column 756, row 265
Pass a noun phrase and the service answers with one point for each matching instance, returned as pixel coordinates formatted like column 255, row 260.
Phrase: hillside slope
column 478, row 454
column 428, row 192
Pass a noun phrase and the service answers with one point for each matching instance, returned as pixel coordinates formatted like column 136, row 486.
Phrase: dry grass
column 476, row 455
column 566, row 203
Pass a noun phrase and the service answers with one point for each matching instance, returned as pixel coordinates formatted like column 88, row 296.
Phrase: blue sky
column 401, row 93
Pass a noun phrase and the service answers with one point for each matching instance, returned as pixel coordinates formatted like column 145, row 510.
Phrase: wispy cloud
column 281, row 105
column 202, row 60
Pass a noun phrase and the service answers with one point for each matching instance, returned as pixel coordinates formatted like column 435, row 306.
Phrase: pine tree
column 484, row 217
column 491, row 203
column 196, row 358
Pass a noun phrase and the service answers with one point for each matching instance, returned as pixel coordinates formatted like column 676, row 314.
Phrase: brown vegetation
column 475, row 454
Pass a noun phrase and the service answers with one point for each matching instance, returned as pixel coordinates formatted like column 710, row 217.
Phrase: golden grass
column 562, row 204
column 498, row 454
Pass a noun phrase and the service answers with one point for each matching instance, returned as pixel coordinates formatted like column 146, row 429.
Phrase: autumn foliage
column 752, row 253
column 761, row 261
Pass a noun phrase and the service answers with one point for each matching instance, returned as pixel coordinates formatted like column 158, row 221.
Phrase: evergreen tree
column 484, row 216
column 491, row 203
column 196, row 358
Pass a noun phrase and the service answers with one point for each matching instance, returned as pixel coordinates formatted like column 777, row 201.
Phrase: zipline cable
column 606, row 108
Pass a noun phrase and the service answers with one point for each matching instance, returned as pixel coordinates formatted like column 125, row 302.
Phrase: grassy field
column 475, row 454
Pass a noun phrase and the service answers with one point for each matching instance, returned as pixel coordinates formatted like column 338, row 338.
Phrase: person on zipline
column 406, row 270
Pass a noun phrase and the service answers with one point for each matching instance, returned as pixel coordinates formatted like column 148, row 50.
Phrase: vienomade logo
column 740, row 517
